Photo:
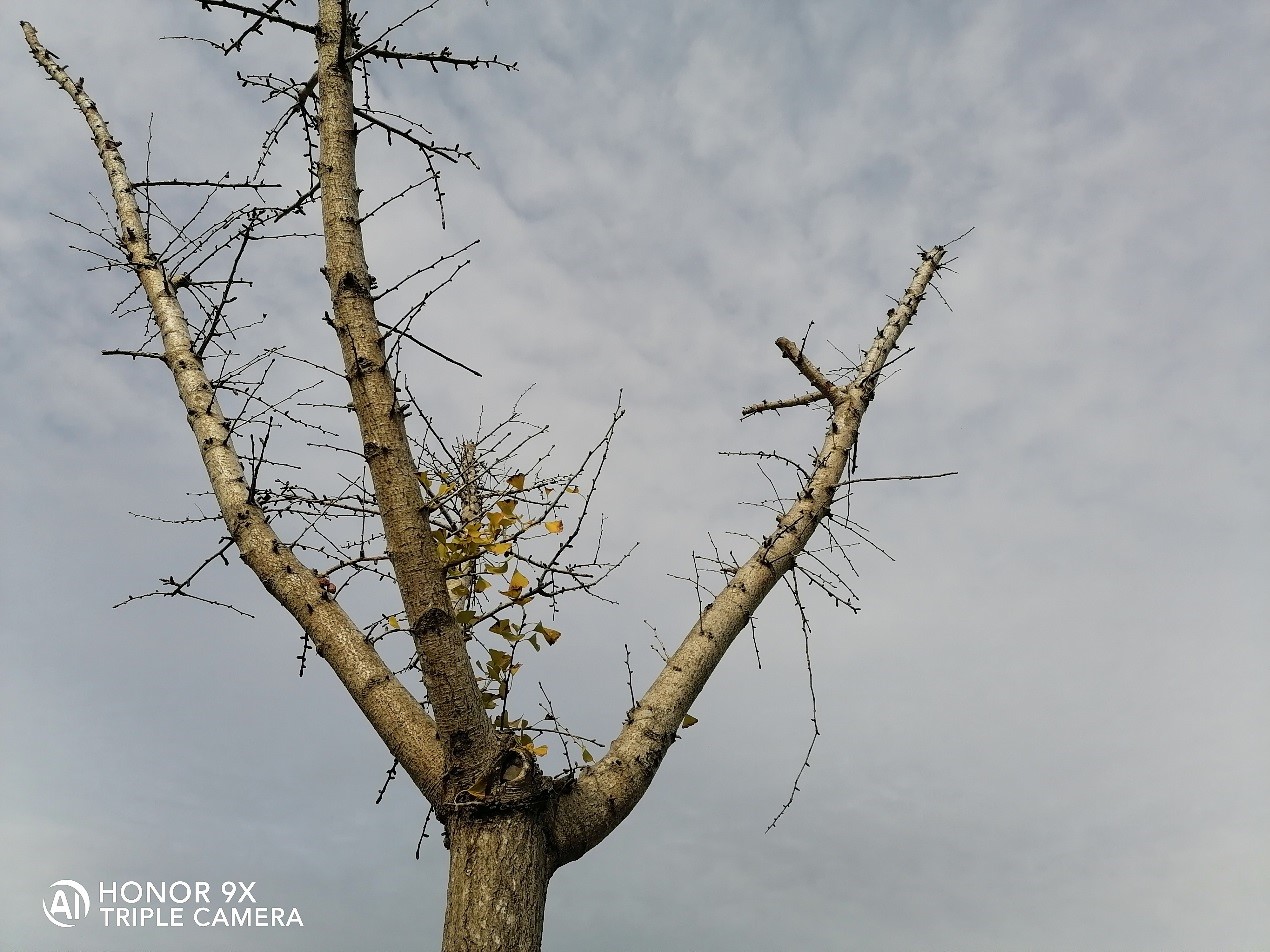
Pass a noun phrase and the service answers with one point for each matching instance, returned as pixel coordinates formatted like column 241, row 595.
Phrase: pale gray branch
column 605, row 792
column 393, row 711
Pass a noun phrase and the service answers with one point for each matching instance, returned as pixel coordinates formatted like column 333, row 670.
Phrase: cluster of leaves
column 484, row 550
column 493, row 575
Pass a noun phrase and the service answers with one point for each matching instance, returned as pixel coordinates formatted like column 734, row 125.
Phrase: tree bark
column 457, row 705
column 492, row 793
column 499, row 870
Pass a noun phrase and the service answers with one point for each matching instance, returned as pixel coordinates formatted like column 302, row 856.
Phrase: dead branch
column 265, row 15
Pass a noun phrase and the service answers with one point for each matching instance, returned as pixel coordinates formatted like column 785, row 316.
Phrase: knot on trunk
column 510, row 781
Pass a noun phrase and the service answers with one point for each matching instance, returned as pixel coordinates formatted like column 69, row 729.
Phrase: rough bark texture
column 498, row 852
column 463, row 728
column 499, row 870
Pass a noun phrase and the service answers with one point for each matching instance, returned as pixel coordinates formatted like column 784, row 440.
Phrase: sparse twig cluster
column 814, row 504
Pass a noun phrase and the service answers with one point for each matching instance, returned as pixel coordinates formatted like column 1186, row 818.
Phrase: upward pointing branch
column 393, row 711
column 608, row 790
column 453, row 692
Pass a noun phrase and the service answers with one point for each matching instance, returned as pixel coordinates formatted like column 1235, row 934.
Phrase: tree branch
column 445, row 57
column 795, row 355
column 391, row 709
column 253, row 12
column 606, row 792
column 464, row 730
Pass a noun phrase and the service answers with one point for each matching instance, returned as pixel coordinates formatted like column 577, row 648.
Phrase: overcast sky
column 1048, row 728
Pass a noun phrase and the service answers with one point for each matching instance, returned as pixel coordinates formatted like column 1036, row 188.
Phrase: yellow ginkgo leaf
column 550, row 634
column 555, row 525
column 507, row 507
column 498, row 548
column 517, row 482
column 587, row 756
column 392, row 622
column 689, row 720
column 517, row 580
column 571, row 489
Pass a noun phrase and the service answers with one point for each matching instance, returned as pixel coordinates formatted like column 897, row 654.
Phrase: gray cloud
column 1047, row 727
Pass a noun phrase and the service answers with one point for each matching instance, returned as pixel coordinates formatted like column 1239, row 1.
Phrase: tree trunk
column 499, row 870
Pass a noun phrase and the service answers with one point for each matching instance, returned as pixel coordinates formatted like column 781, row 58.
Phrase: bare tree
column 446, row 525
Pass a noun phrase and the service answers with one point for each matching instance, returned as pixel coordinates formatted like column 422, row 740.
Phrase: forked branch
column 607, row 791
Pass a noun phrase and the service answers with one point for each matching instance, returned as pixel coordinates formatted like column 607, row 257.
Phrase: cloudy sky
column 1048, row 727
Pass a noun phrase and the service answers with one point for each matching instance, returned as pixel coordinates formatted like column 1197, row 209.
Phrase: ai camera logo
column 70, row 903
